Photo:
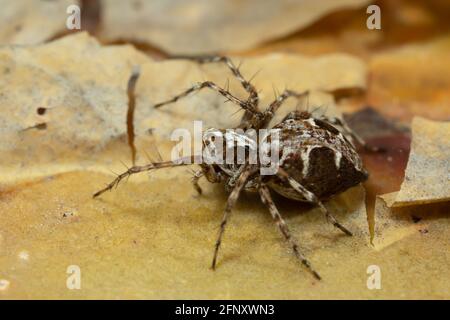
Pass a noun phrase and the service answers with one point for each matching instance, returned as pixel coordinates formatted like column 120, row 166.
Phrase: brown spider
column 317, row 159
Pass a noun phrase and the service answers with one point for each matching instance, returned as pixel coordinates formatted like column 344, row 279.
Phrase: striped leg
column 208, row 84
column 253, row 94
column 267, row 200
column 148, row 167
column 311, row 197
column 232, row 199
column 275, row 105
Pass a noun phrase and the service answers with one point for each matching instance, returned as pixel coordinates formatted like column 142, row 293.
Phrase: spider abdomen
column 317, row 156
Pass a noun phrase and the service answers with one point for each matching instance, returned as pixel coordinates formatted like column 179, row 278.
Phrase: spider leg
column 148, row 167
column 276, row 104
column 348, row 132
column 266, row 198
column 253, row 94
column 232, row 199
column 197, row 175
column 209, row 84
column 311, row 197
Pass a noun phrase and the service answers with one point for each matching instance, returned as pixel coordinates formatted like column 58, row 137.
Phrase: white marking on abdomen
column 337, row 159
column 305, row 159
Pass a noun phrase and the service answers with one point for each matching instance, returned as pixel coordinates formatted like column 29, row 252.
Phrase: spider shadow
column 215, row 197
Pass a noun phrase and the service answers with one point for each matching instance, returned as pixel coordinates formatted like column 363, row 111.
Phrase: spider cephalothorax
column 317, row 158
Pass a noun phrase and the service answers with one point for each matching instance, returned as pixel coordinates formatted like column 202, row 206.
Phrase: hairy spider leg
column 209, row 84
column 266, row 198
column 148, row 167
column 253, row 98
column 311, row 197
column 269, row 113
column 232, row 199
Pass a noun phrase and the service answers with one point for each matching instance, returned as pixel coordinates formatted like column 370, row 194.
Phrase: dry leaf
column 390, row 227
column 82, row 88
column 412, row 81
column 153, row 230
column 75, row 87
column 324, row 73
column 393, row 224
column 427, row 177
column 369, row 123
column 403, row 22
column 198, row 27
column 32, row 22
column 155, row 239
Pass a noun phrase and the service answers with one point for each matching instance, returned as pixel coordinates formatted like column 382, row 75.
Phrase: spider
column 318, row 159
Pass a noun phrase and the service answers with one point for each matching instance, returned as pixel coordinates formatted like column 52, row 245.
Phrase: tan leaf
column 155, row 240
column 427, row 177
column 394, row 224
column 390, row 226
column 272, row 72
column 81, row 87
column 152, row 229
column 32, row 22
column 198, row 27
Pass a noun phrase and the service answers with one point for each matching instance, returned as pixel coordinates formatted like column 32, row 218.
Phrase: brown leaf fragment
column 412, row 80
column 369, row 123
